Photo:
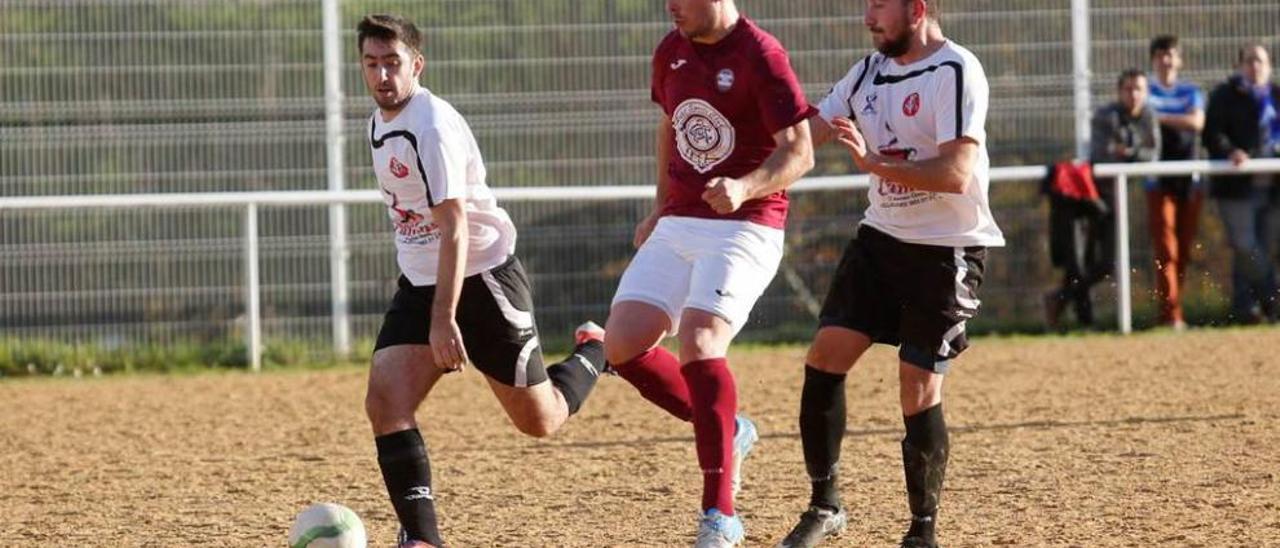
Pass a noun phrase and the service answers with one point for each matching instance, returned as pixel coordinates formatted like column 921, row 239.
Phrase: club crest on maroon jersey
column 704, row 137
column 724, row 80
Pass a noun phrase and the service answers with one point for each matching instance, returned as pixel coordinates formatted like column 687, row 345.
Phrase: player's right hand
column 644, row 229
column 848, row 135
column 447, row 350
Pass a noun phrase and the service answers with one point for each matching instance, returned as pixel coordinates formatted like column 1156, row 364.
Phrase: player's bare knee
column 701, row 343
column 536, row 411
column 824, row 357
column 693, row 353
column 618, row 349
column 915, row 375
column 821, row 358
column 375, row 399
column 916, row 391
column 919, row 389
column 384, row 414
column 835, row 350
column 384, row 408
column 377, row 409
column 541, row 429
column 537, row 426
column 372, row 405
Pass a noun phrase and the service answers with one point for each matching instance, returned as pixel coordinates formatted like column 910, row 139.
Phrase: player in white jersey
column 462, row 296
column 912, row 115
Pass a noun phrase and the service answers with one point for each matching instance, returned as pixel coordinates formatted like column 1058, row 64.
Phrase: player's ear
column 419, row 63
column 919, row 11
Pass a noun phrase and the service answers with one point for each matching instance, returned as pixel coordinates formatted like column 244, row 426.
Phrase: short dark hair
column 1129, row 74
column 388, row 27
column 1164, row 42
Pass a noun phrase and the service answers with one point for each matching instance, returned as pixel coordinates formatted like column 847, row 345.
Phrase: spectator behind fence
column 1173, row 203
column 1123, row 131
column 1242, row 123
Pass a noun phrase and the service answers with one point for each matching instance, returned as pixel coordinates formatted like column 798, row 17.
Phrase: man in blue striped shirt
column 1173, row 203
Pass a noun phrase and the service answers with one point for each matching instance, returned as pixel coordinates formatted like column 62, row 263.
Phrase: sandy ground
column 1155, row 440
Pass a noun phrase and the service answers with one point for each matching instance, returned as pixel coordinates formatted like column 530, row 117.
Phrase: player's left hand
column 847, row 134
column 724, row 194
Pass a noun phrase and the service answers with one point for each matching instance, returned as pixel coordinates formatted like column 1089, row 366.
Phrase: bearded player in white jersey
column 463, row 296
column 912, row 115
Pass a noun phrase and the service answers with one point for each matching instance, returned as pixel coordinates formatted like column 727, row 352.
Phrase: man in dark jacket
column 1127, row 129
column 1242, row 123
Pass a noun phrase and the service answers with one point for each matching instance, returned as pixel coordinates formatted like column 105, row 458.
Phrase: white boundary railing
column 1121, row 173
column 252, row 201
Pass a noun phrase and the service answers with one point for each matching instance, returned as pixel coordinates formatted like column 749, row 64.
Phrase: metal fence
column 143, row 96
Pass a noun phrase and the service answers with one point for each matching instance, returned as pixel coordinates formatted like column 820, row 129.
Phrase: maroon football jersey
column 725, row 100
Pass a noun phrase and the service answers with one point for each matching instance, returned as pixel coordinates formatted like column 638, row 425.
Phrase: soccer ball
column 327, row 525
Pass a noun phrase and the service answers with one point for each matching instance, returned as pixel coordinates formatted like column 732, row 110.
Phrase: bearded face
column 890, row 23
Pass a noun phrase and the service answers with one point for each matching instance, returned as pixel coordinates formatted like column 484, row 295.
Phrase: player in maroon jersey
column 732, row 137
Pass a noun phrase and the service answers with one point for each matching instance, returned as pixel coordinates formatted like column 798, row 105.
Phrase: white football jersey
column 424, row 156
column 907, row 111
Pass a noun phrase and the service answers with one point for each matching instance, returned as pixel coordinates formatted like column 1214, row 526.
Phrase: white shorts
column 718, row 266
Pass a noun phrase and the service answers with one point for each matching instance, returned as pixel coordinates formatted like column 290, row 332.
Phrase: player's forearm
column 941, row 174
column 790, row 161
column 451, row 269
column 820, row 132
column 781, row 170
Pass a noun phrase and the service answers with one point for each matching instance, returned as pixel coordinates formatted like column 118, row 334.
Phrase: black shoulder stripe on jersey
column 857, row 84
column 417, row 156
column 893, row 79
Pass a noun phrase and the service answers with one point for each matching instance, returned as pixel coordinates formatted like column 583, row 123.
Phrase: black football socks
column 402, row 456
column 822, row 424
column 576, row 375
column 924, row 460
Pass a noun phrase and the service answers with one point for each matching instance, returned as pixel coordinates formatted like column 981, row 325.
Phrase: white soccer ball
column 327, row 525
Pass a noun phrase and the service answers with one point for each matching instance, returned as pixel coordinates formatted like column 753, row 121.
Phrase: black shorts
column 495, row 315
column 914, row 296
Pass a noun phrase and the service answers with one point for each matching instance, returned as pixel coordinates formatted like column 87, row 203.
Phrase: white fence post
column 1081, row 73
column 1124, row 286
column 335, row 139
column 253, row 302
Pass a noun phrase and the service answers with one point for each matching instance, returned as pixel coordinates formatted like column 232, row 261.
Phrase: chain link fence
column 143, row 96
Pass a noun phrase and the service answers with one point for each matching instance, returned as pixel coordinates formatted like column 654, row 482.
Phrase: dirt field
column 1155, row 440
